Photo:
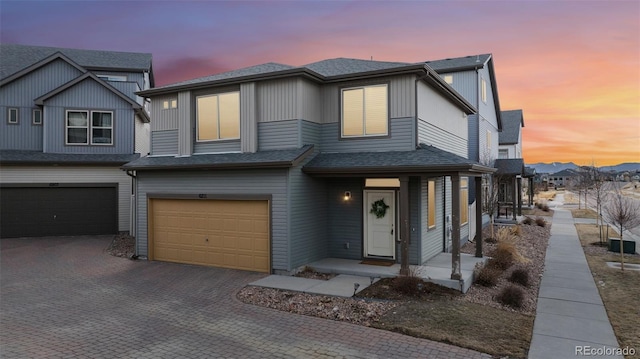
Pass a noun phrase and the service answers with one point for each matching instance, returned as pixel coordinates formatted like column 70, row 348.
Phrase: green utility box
column 627, row 246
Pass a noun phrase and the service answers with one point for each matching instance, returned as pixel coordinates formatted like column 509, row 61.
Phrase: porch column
column 405, row 225
column 478, row 238
column 519, row 182
column 531, row 192
column 455, row 227
column 514, row 196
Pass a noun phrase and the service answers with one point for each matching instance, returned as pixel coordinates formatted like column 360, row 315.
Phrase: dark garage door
column 62, row 210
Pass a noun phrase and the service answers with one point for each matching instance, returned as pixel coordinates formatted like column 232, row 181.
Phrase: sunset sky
column 573, row 67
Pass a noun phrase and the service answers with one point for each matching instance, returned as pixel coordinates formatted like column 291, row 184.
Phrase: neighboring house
column 272, row 167
column 69, row 118
column 562, row 178
column 510, row 164
column 474, row 78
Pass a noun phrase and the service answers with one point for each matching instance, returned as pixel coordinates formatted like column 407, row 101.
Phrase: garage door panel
column 223, row 233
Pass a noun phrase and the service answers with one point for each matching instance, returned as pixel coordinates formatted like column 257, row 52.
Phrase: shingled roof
column 459, row 63
column 21, row 157
column 423, row 160
column 512, row 122
column 344, row 66
column 509, row 166
column 18, row 57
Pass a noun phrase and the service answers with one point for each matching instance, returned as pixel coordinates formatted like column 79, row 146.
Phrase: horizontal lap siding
column 278, row 135
column 164, row 142
column 431, row 237
column 437, row 137
column 271, row 182
column 311, row 134
column 216, row 146
column 401, row 138
column 75, row 174
column 344, row 218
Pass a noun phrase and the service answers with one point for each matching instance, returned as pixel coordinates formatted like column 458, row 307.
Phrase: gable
column 87, row 92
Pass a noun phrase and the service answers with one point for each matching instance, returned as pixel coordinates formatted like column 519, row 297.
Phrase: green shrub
column 511, row 296
column 487, row 275
column 520, row 276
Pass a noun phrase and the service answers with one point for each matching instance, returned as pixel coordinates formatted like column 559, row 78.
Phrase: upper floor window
column 82, row 131
column 365, row 111
column 488, row 139
column 502, row 154
column 36, row 117
column 483, row 90
column 118, row 78
column 167, row 104
column 218, row 116
column 448, row 79
column 12, row 116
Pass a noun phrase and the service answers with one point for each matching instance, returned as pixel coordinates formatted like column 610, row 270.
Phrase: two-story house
column 474, row 77
column 272, row 167
column 69, row 118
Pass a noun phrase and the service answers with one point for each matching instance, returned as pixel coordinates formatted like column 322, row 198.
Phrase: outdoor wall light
column 347, row 195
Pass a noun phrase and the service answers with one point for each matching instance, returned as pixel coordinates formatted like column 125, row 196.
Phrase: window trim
column 67, row 127
column 217, row 94
column 431, row 204
column 488, row 139
column 170, row 104
column 33, row 117
column 113, row 78
column 483, row 89
column 448, row 79
column 110, row 127
column 16, row 110
column 464, row 200
column 89, row 127
column 341, row 135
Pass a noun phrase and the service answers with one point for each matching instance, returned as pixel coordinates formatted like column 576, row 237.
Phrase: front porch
column 436, row 270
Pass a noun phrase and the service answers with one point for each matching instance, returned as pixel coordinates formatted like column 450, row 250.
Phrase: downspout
column 132, row 210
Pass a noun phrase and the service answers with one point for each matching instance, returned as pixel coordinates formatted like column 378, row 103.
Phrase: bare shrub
column 541, row 222
column 487, row 275
column 520, row 276
column 528, row 221
column 516, row 231
column 511, row 296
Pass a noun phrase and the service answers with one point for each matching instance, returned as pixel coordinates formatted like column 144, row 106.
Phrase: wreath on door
column 379, row 208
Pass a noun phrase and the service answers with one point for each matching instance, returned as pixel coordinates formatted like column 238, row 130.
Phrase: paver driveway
column 65, row 297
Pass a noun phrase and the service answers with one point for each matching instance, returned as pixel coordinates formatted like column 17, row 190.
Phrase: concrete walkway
column 570, row 314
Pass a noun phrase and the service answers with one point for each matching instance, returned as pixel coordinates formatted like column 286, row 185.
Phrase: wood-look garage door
column 63, row 210
column 220, row 233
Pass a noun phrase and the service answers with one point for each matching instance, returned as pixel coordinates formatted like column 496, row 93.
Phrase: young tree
column 624, row 213
column 597, row 179
column 490, row 195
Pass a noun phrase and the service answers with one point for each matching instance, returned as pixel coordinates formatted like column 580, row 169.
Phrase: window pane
column 100, row 135
column 77, row 119
column 432, row 203
column 77, row 135
column 13, row 115
column 37, row 117
column 376, row 110
column 174, row 103
column 229, row 115
column 101, row 119
column 207, row 118
column 352, row 112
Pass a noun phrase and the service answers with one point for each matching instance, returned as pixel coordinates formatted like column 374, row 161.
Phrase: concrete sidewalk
column 570, row 313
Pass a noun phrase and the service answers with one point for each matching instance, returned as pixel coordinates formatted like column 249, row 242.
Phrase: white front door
column 379, row 225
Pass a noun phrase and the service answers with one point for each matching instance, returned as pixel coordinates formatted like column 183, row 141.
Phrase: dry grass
column 584, row 213
column 571, row 198
column 537, row 212
column 619, row 290
column 545, row 195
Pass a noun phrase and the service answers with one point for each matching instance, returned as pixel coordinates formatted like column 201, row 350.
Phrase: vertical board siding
column 277, row 135
column 137, row 77
column 415, row 205
column 127, row 88
column 432, row 238
column 185, row 124
column 164, row 119
column 164, row 143
column 216, row 146
column 143, row 137
column 310, row 101
column 401, row 138
column 88, row 95
column 488, row 109
column 437, row 137
column 466, row 84
column 278, row 100
column 344, row 218
column 473, row 144
column 448, row 212
column 248, row 118
column 401, row 97
column 486, row 154
column 307, row 218
column 76, row 174
column 248, row 182
column 24, row 135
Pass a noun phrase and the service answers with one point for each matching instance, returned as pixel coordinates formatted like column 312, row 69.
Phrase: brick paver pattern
column 65, row 297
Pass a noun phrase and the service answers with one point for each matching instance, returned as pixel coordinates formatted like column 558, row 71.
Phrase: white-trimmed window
column 448, row 79
column 82, row 131
column 365, row 111
column 101, row 128
column 36, row 116
column 488, row 139
column 169, row 104
column 218, row 116
column 12, row 116
column 464, row 198
column 432, row 204
column 502, row 154
column 483, row 90
column 115, row 78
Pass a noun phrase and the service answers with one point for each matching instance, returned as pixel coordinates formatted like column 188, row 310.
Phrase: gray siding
column 474, row 149
column 344, row 218
column 466, row 84
column 437, row 137
column 128, row 88
column 137, row 77
column 243, row 183
column 311, row 134
column 248, row 118
column 310, row 96
column 186, row 132
column 88, row 95
column 20, row 94
column 164, row 143
column 278, row 100
column 401, row 97
column 431, row 243
column 416, row 225
column 307, row 218
column 216, row 146
column 401, row 138
column 278, row 135
column 164, row 119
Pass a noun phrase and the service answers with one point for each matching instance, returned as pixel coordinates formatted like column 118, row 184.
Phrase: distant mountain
column 552, row 167
column 559, row 166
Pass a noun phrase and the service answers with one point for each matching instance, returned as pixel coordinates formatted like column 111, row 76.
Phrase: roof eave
column 390, row 170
